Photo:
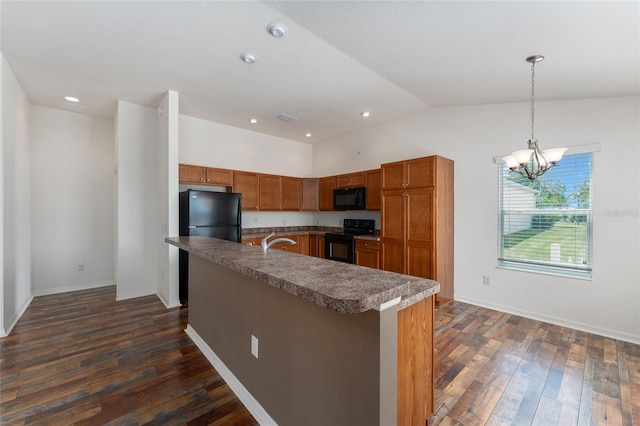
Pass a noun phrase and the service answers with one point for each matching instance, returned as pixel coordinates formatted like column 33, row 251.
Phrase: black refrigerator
column 212, row 214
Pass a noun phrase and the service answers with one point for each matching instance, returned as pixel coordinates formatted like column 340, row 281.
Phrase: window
column 546, row 225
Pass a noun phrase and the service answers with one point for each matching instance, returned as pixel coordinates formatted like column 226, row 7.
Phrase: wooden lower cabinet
column 415, row 363
column 251, row 241
column 368, row 253
column 303, row 244
column 291, row 248
column 316, row 246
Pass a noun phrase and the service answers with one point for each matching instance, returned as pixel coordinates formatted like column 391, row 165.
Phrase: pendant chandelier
column 532, row 162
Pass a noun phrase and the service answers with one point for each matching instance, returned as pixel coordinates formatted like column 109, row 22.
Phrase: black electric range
column 342, row 247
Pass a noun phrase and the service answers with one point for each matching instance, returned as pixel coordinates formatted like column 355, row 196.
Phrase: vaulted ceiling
column 338, row 58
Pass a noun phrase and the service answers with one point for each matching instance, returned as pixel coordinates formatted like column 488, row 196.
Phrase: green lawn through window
column 535, row 244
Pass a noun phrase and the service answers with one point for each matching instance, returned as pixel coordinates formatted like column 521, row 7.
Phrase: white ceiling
column 339, row 58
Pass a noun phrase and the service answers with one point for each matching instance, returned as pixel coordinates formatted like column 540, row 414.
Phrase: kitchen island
column 303, row 340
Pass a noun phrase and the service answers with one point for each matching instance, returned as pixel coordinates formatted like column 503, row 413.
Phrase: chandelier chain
column 533, row 91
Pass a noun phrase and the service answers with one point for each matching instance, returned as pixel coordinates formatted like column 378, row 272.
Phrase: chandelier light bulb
column 532, row 163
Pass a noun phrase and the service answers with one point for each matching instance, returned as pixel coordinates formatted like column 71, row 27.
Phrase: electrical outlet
column 255, row 219
column 486, row 280
column 254, row 346
column 80, row 266
column 284, row 221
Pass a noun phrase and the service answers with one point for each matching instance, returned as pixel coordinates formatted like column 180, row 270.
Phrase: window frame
column 542, row 267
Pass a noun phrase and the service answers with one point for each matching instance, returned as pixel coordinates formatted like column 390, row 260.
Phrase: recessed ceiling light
column 253, row 121
column 72, row 99
column 248, row 57
column 277, row 30
column 365, row 114
column 308, row 135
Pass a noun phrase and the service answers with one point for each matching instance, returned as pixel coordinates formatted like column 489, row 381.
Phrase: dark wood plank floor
column 493, row 368
column 83, row 358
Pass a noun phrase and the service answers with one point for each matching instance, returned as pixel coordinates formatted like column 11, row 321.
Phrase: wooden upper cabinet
column 246, row 183
column 270, row 192
column 372, row 183
column 204, row 175
column 421, row 172
column 215, row 176
column 350, row 180
column 327, row 185
column 291, row 193
column 310, row 194
column 415, row 173
column 191, row 174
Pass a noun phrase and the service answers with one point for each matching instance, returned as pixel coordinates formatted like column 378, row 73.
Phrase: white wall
column 167, row 165
column 137, row 224
column 15, row 251
column 72, row 160
column 609, row 304
column 216, row 145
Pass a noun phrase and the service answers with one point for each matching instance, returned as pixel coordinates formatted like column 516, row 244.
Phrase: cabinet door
column 357, row 179
column 415, row 363
column 222, row 177
column 420, row 172
column 291, row 248
column 270, row 187
column 310, row 194
column 291, row 193
column 350, row 180
column 313, row 245
column 372, row 182
column 251, row 241
column 246, row 183
column 191, row 174
column 393, row 226
column 343, row 181
column 304, row 242
column 393, row 175
column 420, row 232
column 327, row 185
column 368, row 253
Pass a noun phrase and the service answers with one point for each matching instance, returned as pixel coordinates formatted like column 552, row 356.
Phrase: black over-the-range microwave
column 350, row 199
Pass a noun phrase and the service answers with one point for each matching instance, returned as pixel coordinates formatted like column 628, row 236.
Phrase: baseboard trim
column 252, row 404
column 626, row 337
column 69, row 288
column 166, row 303
column 7, row 331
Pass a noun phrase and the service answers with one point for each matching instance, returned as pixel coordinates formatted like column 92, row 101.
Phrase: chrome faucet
column 265, row 245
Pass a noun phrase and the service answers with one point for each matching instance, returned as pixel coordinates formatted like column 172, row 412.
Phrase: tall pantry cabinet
column 417, row 220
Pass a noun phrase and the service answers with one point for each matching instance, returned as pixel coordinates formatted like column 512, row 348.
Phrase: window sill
column 545, row 271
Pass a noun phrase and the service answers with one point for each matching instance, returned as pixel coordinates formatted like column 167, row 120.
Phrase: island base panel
column 314, row 366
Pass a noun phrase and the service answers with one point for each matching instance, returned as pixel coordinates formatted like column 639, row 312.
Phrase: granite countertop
column 337, row 286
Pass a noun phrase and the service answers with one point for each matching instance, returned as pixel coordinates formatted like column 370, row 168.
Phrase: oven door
column 340, row 247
